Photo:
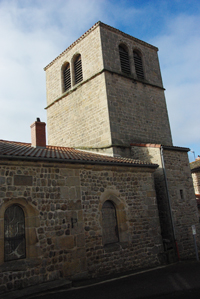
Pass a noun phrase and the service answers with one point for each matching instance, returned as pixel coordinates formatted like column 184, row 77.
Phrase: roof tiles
column 20, row 150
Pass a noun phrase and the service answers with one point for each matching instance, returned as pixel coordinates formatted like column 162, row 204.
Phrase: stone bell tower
column 104, row 92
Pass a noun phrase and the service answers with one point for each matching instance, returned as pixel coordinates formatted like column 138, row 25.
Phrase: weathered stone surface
column 74, row 205
column 73, row 181
column 66, row 242
column 2, row 180
column 80, row 240
column 64, row 191
column 65, row 230
column 181, row 195
column 23, row 180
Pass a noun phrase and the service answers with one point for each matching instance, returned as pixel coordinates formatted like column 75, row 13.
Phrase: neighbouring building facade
column 195, row 169
column 110, row 193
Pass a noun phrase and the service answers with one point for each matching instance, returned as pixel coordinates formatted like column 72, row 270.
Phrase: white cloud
column 180, row 59
column 34, row 32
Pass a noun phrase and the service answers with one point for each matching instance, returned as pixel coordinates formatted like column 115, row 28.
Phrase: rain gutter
column 76, row 161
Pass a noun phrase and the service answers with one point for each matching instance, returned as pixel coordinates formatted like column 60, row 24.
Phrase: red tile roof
column 20, row 150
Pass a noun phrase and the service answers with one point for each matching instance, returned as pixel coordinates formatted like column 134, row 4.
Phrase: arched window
column 78, row 69
column 109, row 223
column 138, row 65
column 66, row 77
column 124, row 60
column 14, row 234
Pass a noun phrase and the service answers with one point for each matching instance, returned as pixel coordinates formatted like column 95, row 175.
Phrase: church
column 110, row 192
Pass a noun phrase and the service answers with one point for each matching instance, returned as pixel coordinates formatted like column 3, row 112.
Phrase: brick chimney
column 38, row 134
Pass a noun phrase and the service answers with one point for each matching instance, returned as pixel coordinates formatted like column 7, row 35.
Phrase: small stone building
column 68, row 213
column 110, row 193
column 195, row 169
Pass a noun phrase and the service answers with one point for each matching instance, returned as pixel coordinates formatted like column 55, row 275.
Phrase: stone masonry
column 196, row 181
column 181, row 194
column 116, row 109
column 62, row 206
column 64, row 193
column 195, row 168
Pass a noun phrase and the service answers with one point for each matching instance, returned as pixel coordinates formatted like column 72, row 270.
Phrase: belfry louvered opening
column 78, row 69
column 138, row 65
column 67, row 77
column 124, row 60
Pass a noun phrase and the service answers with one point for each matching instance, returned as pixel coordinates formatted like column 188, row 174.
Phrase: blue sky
column 34, row 32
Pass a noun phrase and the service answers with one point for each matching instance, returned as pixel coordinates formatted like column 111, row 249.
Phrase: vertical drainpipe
column 168, row 197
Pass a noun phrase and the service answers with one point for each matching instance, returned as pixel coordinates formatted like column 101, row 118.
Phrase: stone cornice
column 131, row 77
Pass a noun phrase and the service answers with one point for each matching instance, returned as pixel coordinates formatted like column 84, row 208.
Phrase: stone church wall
column 80, row 119
column 137, row 112
column 138, row 223
column 89, row 47
column 112, row 38
column 115, row 108
column 152, row 154
column 183, row 201
column 181, row 193
column 63, row 221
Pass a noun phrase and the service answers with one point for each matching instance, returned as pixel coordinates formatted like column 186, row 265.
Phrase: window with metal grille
column 66, row 77
column 14, row 234
column 138, row 65
column 124, row 60
column 78, row 69
column 109, row 223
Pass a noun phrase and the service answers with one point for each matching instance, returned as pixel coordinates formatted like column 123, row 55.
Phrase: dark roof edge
column 176, row 148
column 195, row 169
column 166, row 147
column 76, row 161
column 146, row 145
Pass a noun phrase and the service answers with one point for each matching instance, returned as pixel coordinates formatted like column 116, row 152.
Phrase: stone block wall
column 183, row 201
column 137, row 112
column 111, row 39
column 108, row 107
column 80, row 119
column 134, row 198
column 63, row 222
column 53, row 197
column 196, row 181
column 152, row 154
column 181, row 193
column 89, row 46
